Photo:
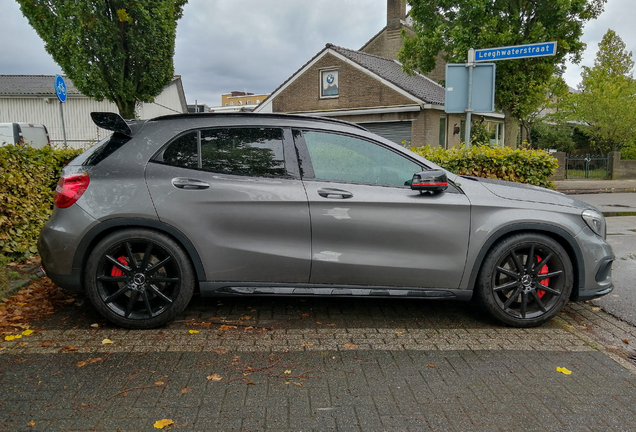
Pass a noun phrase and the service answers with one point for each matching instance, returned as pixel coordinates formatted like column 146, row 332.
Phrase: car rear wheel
column 139, row 278
column 525, row 280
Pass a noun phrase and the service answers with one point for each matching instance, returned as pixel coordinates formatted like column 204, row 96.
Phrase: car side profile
column 274, row 204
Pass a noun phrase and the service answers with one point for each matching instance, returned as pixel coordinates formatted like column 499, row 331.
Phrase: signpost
column 457, row 82
column 60, row 91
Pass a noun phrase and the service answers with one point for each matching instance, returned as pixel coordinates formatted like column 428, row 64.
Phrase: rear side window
column 239, row 151
column 101, row 150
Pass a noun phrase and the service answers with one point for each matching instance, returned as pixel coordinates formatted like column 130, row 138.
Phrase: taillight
column 69, row 188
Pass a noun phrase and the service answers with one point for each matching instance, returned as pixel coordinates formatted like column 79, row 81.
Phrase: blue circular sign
column 60, row 88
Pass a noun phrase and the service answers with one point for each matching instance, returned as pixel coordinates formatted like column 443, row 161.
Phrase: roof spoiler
column 112, row 122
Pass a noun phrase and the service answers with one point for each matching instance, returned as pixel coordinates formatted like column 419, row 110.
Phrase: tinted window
column 238, row 151
column 248, row 151
column 183, row 151
column 101, row 150
column 348, row 159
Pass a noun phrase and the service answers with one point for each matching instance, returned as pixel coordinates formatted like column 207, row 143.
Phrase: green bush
column 27, row 182
column 523, row 166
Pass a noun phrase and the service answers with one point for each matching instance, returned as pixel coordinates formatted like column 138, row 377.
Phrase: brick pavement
column 321, row 364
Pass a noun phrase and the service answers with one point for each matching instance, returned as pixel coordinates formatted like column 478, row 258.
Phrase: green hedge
column 524, row 166
column 27, row 182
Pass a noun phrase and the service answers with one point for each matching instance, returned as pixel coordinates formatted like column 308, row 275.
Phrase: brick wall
column 357, row 90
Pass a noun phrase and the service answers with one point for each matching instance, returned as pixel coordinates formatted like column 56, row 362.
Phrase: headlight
column 595, row 220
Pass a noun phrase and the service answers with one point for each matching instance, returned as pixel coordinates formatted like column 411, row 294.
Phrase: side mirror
column 433, row 180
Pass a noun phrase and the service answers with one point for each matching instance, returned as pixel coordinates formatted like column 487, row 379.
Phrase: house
column 32, row 99
column 368, row 87
column 239, row 98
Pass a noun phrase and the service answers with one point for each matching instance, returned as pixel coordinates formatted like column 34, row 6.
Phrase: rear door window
column 255, row 152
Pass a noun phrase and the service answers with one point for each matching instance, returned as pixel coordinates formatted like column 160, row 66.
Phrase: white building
column 32, row 99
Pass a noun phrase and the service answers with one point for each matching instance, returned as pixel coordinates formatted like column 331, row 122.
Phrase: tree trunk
column 127, row 109
column 511, row 130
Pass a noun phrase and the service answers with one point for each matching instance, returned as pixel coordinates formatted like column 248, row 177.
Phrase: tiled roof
column 417, row 85
column 33, row 85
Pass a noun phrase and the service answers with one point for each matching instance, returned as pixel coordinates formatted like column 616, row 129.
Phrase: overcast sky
column 255, row 45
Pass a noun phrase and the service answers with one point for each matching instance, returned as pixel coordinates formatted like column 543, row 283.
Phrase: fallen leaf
column 107, row 341
column 625, row 341
column 330, row 325
column 160, row 424
column 307, row 344
column 31, row 423
column 596, row 309
column 226, row 327
column 305, row 315
column 220, row 351
column 298, row 384
column 12, row 337
column 185, row 390
column 46, row 344
column 70, row 348
column 245, row 317
column 564, row 371
column 95, row 325
column 159, row 383
column 430, row 365
column 287, row 372
column 27, row 333
column 193, row 331
column 214, row 377
column 249, row 328
column 250, row 383
column 350, row 346
column 21, row 304
column 87, row 362
column 399, row 333
column 318, row 322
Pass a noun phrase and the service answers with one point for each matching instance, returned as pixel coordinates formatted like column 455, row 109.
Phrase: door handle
column 334, row 193
column 188, row 183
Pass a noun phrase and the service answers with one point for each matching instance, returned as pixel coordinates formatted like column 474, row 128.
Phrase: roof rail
column 260, row 115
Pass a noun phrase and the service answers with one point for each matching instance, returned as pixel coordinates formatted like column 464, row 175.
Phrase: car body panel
column 383, row 236
column 245, row 228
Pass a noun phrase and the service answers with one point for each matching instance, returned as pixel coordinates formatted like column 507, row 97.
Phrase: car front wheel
column 525, row 280
column 139, row 278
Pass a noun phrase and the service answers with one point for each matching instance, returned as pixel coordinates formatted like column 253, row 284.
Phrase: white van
column 35, row 135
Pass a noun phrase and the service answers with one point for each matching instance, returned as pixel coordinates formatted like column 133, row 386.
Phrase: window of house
column 329, row 83
column 442, row 132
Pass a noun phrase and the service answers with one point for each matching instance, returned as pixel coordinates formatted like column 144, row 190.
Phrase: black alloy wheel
column 525, row 280
column 139, row 278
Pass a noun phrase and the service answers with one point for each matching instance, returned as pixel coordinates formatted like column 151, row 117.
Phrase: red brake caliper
column 115, row 272
column 544, row 282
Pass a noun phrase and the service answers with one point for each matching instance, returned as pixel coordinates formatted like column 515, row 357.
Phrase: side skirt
column 212, row 289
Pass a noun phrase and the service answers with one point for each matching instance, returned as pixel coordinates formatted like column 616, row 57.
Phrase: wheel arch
column 558, row 234
column 98, row 232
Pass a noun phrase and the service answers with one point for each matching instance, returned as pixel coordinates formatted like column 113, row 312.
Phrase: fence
column 587, row 166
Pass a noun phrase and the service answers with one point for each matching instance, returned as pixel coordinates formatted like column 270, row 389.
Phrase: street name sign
column 516, row 52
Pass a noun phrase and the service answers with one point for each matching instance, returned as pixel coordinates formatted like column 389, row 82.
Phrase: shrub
column 523, row 166
column 27, row 182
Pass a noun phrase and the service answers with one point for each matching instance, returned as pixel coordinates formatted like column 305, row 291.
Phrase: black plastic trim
column 96, row 233
column 537, row 228
column 211, row 289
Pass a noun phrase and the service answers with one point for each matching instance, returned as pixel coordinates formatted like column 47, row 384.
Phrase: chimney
column 395, row 14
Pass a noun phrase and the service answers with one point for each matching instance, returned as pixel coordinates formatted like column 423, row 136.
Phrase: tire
column 139, row 279
column 521, row 292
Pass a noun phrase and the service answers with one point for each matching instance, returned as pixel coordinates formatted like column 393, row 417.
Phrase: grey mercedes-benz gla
column 267, row 204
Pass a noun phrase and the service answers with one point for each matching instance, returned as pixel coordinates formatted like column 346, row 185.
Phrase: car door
column 369, row 227
column 236, row 194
